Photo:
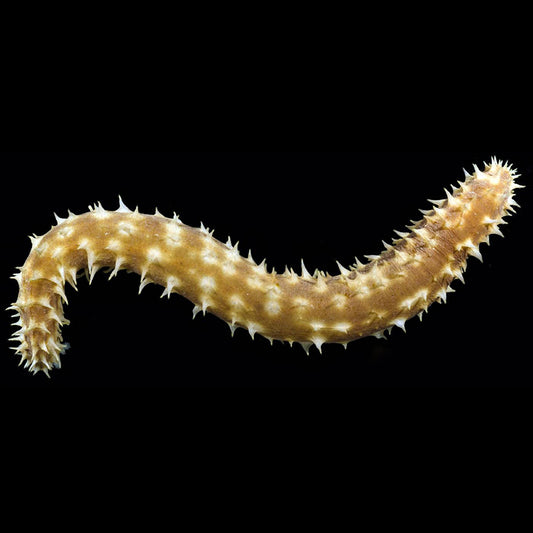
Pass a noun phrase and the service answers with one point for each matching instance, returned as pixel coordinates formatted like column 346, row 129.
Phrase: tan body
column 403, row 282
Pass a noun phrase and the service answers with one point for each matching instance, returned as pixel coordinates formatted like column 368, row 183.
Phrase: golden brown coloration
column 411, row 274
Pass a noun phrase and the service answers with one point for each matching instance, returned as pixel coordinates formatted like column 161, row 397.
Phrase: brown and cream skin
column 413, row 272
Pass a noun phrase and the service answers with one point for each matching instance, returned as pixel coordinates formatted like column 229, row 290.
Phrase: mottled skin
column 403, row 282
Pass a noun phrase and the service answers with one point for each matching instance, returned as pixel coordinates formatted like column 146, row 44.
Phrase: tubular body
column 411, row 274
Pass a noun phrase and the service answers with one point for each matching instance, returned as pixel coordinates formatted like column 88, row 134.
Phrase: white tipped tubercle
column 412, row 273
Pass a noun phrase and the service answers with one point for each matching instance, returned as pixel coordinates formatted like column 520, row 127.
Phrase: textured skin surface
column 411, row 274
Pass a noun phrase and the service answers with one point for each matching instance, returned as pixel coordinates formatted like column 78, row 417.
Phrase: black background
column 320, row 206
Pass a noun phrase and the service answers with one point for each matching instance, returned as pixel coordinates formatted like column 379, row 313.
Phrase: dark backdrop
column 320, row 206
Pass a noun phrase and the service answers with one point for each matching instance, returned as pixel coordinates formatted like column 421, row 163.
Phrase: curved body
column 413, row 272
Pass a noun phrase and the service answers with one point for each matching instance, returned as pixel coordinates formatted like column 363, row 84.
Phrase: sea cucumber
column 412, row 273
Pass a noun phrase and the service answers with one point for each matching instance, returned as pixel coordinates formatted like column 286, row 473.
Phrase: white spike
column 35, row 240
column 443, row 295
column 118, row 264
column 18, row 278
column 122, row 207
column 232, row 327
column 495, row 230
column 92, row 268
column 344, row 271
column 61, row 270
column 306, row 346
column 400, row 322
column 58, row 289
column 358, row 263
column 402, row 234
column 305, row 272
column 72, row 277
column 438, row 203
column 59, row 219
column 451, row 199
column 473, row 250
column 321, row 276
column 477, row 254
column 252, row 330
column 512, row 202
column 144, row 281
column 59, row 318
column 171, row 283
column 318, row 342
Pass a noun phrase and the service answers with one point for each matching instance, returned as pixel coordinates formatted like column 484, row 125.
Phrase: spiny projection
column 412, row 273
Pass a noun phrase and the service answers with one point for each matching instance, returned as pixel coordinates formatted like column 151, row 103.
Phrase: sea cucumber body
column 411, row 274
